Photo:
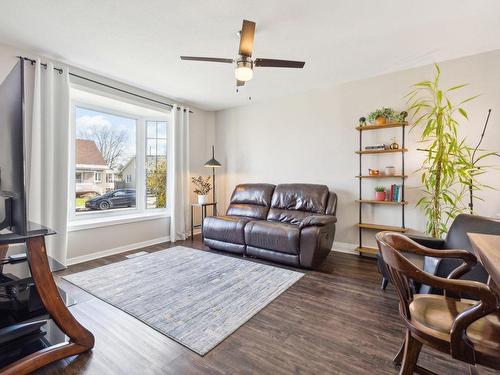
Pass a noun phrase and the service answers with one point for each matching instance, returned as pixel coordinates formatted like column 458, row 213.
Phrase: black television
column 12, row 152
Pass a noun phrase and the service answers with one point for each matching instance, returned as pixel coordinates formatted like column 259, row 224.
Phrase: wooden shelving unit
column 381, row 151
column 383, row 176
column 386, row 126
column 371, row 201
column 367, row 250
column 380, row 227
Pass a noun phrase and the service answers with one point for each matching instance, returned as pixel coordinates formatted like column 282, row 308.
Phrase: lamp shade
column 212, row 163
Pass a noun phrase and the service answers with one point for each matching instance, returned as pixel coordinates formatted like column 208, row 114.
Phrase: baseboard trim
column 345, row 247
column 116, row 250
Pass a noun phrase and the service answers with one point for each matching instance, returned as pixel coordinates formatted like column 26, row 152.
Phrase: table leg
column 3, row 254
column 80, row 339
column 192, row 225
column 203, row 215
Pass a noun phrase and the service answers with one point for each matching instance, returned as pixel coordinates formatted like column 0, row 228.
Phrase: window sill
column 99, row 222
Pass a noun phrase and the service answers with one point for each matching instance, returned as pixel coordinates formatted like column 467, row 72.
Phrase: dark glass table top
column 34, row 230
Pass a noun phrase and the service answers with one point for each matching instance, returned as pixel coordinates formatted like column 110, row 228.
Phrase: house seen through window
column 105, row 144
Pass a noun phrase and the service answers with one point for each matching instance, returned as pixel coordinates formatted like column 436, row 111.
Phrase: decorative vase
column 390, row 171
column 394, row 145
column 380, row 120
column 380, row 195
column 202, row 199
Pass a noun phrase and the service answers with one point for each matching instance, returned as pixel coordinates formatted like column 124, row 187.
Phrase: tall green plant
column 446, row 170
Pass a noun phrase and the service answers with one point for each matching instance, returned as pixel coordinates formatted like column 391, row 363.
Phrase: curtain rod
column 102, row 84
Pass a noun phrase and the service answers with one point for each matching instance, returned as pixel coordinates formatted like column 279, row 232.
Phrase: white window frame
column 169, row 153
column 91, row 219
column 98, row 180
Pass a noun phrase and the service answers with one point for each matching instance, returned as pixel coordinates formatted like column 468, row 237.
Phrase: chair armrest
column 460, row 345
column 433, row 243
column 317, row 220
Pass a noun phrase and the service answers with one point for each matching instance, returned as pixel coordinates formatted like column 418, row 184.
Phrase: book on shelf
column 376, row 147
column 395, row 193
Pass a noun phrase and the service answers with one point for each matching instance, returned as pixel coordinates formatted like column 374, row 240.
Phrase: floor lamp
column 212, row 163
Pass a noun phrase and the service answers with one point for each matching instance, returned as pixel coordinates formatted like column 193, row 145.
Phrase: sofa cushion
column 225, row 228
column 271, row 235
column 251, row 200
column 291, row 203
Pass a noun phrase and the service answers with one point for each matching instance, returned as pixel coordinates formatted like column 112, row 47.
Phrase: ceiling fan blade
column 209, row 59
column 279, row 63
column 240, row 83
column 246, row 38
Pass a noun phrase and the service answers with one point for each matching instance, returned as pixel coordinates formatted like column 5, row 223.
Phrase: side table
column 203, row 215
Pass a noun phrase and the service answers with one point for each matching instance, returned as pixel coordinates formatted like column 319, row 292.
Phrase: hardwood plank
column 386, row 126
column 367, row 250
column 334, row 320
column 383, row 176
column 388, row 151
column 381, row 227
column 372, row 201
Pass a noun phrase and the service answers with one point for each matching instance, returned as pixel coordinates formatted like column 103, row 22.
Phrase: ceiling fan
column 244, row 63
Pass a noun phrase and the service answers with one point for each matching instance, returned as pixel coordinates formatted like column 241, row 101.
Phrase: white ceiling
column 139, row 42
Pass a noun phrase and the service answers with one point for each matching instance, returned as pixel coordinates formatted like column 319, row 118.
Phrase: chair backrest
column 251, row 200
column 464, row 223
column 400, row 270
column 291, row 203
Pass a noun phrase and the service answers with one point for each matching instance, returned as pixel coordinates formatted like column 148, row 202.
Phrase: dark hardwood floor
column 332, row 321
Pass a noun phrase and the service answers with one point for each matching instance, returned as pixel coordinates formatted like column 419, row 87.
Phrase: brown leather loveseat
column 292, row 224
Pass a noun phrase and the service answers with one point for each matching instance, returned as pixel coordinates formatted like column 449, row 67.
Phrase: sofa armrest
column 317, row 220
column 433, row 243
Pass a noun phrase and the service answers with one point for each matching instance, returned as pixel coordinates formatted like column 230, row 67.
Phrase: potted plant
column 202, row 187
column 382, row 115
column 447, row 170
column 380, row 193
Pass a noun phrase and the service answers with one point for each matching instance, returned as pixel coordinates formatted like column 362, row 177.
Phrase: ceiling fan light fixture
column 244, row 70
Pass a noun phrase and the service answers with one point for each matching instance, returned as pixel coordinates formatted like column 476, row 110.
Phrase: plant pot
column 380, row 195
column 202, row 199
column 380, row 120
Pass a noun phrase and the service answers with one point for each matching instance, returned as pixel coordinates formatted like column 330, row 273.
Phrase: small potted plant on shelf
column 383, row 115
column 380, row 193
column 202, row 187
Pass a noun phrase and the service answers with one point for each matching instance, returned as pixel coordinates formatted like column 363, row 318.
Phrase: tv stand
column 80, row 339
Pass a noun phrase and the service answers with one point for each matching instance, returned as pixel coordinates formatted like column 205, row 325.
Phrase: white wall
column 311, row 138
column 83, row 244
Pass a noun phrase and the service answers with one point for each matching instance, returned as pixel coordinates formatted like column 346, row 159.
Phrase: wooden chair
column 468, row 330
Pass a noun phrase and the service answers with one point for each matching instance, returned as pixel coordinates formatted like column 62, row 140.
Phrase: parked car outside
column 119, row 198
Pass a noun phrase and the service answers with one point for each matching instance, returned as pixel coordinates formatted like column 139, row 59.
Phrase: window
column 120, row 157
column 98, row 177
column 156, row 164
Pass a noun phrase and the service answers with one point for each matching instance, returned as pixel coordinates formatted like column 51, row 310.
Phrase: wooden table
column 487, row 248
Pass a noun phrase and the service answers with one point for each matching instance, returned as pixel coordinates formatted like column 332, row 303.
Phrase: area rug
column 195, row 297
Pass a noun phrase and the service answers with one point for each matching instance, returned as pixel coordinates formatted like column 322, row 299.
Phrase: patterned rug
column 195, row 297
